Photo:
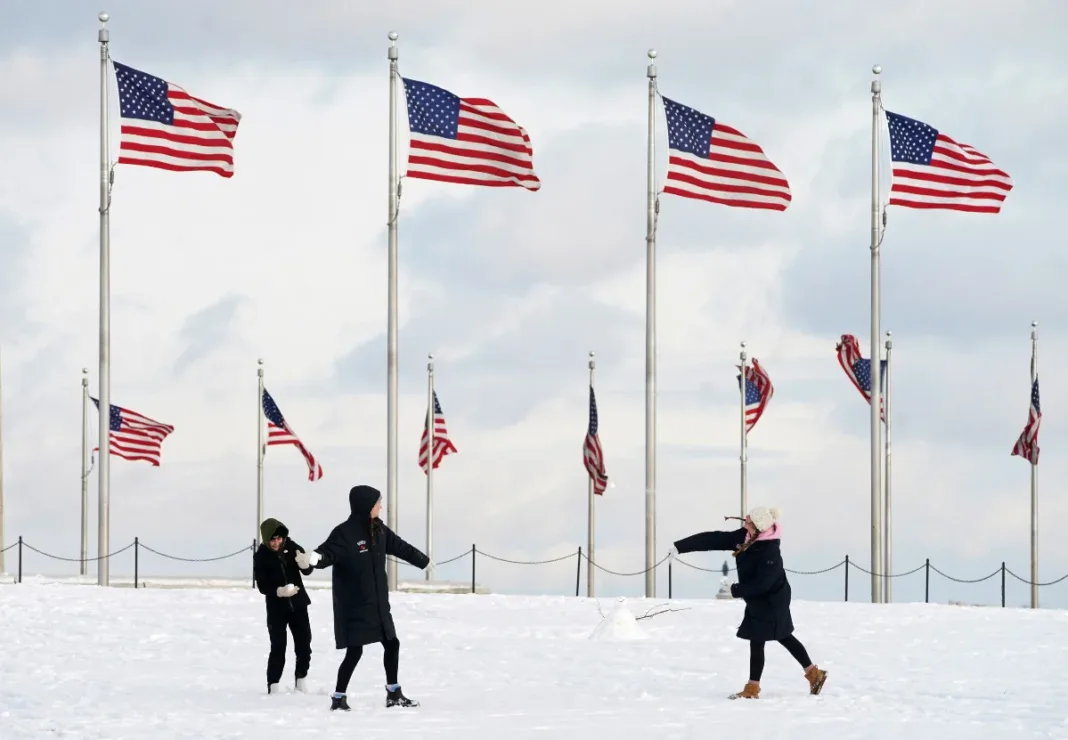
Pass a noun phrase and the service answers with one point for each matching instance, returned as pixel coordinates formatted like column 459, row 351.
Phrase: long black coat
column 357, row 550
column 274, row 568
column 762, row 582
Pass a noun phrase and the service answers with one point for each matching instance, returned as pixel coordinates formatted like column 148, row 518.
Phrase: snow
column 619, row 624
column 85, row 662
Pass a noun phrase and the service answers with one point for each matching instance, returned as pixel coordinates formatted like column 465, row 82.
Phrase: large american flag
column 133, row 436
column 858, row 370
column 1027, row 445
column 931, row 170
column 758, row 391
column 442, row 444
column 164, row 126
column 711, row 161
column 469, row 141
column 592, row 455
column 280, row 433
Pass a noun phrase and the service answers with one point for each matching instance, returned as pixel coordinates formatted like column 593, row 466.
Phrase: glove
column 734, row 590
column 308, row 560
column 284, row 592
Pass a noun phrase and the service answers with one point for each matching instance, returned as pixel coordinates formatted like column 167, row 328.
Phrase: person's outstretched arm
column 306, row 571
column 706, row 541
column 325, row 554
column 400, row 549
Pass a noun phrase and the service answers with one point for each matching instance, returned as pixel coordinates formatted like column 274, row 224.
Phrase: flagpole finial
column 393, row 36
column 430, row 362
column 877, row 69
column 1034, row 324
column 889, row 341
column 103, row 17
column 652, row 53
column 85, row 371
column 592, row 360
column 741, row 355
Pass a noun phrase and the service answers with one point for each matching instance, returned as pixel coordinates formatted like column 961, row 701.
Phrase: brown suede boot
column 751, row 691
column 816, row 678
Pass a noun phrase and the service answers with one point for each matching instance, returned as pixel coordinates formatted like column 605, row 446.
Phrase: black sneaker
column 397, row 698
column 339, row 702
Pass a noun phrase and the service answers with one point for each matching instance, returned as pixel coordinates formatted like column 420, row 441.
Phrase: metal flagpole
column 430, row 429
column 260, row 449
column 650, row 344
column 888, row 518
column 876, row 388
column 104, row 379
column 391, row 341
column 1, row 472
column 1034, row 480
column 745, row 439
column 84, row 565
column 590, row 516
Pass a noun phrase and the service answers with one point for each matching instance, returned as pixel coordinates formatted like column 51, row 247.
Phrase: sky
column 510, row 289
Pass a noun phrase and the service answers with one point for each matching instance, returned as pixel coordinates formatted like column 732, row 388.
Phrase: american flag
column 280, row 433
column 1027, row 445
column 715, row 162
column 758, row 391
column 469, row 141
column 858, row 370
column 133, row 436
column 442, row 444
column 933, row 171
column 592, row 455
column 164, row 126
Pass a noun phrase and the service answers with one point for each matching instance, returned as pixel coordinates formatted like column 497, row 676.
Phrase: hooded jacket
column 356, row 550
column 275, row 568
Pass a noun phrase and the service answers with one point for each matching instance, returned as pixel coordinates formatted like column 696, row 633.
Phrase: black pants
column 756, row 655
column 390, row 660
column 297, row 622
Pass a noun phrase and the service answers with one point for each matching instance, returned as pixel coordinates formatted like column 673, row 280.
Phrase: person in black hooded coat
column 357, row 550
column 763, row 585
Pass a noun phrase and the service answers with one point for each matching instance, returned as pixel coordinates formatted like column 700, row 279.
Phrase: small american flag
column 858, row 370
column 163, row 126
column 133, row 436
column 1027, row 445
column 715, row 162
column 758, row 391
column 442, row 444
column 469, row 141
column 933, row 171
column 280, row 433
column 592, row 455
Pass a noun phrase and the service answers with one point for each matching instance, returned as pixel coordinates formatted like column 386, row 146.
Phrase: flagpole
column 430, row 430
column 1034, row 479
column 84, row 551
column 745, row 439
column 650, row 342
column 391, row 341
column 260, row 449
column 888, row 519
column 591, row 512
column 104, row 379
column 1, row 471
column 876, row 388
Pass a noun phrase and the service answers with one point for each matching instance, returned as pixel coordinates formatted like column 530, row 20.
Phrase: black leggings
column 390, row 659
column 756, row 655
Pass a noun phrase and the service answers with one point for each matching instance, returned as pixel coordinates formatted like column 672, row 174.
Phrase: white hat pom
column 776, row 512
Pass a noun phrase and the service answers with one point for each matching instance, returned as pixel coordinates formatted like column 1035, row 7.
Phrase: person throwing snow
column 762, row 584
column 357, row 550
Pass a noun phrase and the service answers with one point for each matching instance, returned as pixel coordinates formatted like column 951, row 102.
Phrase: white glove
column 284, row 592
column 308, row 560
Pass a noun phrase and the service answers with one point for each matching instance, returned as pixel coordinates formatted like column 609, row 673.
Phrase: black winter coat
column 357, row 550
column 275, row 568
column 762, row 582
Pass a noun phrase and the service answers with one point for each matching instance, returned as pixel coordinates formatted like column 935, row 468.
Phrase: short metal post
column 473, row 568
column 669, row 578
column 253, row 562
column 20, row 558
column 1002, row 584
column 927, row 582
column 847, row 578
column 578, row 571
column 137, row 553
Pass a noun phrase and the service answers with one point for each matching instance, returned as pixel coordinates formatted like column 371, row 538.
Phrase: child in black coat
column 278, row 579
column 762, row 584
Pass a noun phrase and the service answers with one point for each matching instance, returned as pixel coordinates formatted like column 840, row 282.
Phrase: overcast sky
column 511, row 289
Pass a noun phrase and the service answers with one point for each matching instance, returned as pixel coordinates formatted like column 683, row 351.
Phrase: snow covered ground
column 84, row 662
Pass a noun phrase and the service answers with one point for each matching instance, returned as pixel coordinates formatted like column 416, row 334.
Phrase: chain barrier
column 474, row 551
